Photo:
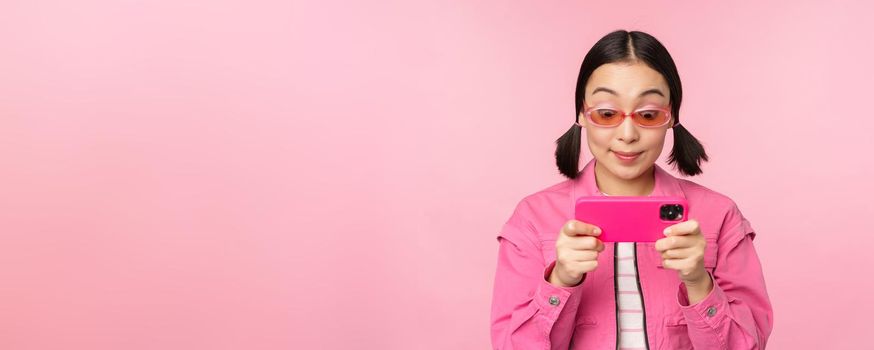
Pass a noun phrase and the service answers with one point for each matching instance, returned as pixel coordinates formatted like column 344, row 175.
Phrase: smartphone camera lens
column 671, row 212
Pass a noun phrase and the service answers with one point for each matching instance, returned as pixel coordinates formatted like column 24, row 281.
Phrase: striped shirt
column 632, row 334
column 629, row 302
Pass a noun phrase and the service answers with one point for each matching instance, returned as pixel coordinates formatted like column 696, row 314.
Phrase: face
column 626, row 87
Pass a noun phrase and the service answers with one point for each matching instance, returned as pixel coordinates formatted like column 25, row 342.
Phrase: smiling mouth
column 627, row 154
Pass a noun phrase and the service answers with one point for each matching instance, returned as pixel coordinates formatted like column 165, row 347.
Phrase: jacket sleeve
column 737, row 313
column 527, row 311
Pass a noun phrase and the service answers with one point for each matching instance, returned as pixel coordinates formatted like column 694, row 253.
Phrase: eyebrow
column 650, row 91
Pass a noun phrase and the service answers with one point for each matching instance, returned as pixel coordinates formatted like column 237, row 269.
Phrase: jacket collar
column 665, row 183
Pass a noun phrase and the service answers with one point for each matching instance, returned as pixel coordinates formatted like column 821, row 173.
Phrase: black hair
column 624, row 46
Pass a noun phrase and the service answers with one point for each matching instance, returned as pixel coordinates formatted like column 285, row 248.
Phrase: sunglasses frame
column 587, row 112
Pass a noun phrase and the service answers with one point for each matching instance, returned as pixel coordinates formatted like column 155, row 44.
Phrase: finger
column 585, row 243
column 675, row 242
column 584, row 266
column 672, row 264
column 683, row 228
column 678, row 264
column 578, row 228
column 582, row 255
column 684, row 253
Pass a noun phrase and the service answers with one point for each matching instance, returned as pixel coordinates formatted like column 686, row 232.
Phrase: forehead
column 628, row 80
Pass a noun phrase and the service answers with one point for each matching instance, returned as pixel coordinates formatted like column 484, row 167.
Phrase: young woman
column 558, row 286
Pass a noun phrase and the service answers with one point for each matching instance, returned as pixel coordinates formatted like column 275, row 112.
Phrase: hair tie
column 577, row 124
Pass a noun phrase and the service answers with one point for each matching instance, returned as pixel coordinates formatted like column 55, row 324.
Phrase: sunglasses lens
column 651, row 117
column 606, row 117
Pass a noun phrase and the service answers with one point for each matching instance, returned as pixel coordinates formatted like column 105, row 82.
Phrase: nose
column 627, row 131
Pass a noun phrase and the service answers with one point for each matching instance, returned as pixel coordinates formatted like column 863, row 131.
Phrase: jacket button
column 554, row 301
column 711, row 311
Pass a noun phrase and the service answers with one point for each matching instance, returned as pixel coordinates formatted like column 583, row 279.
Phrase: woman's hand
column 576, row 251
column 683, row 250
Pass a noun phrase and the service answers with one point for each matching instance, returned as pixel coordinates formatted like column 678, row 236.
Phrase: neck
column 611, row 185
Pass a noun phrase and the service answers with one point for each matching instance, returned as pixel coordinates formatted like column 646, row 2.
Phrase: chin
column 625, row 172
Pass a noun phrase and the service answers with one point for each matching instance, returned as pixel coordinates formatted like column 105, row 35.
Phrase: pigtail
column 567, row 152
column 687, row 153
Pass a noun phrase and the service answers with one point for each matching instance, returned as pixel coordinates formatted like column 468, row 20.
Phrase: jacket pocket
column 583, row 320
column 676, row 335
column 586, row 333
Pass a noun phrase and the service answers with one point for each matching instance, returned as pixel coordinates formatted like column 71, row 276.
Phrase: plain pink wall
column 332, row 175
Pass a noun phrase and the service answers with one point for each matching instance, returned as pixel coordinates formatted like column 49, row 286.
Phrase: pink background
column 332, row 175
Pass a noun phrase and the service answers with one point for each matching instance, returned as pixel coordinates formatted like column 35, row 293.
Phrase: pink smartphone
column 631, row 218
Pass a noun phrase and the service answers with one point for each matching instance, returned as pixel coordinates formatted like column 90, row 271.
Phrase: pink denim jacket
column 737, row 314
